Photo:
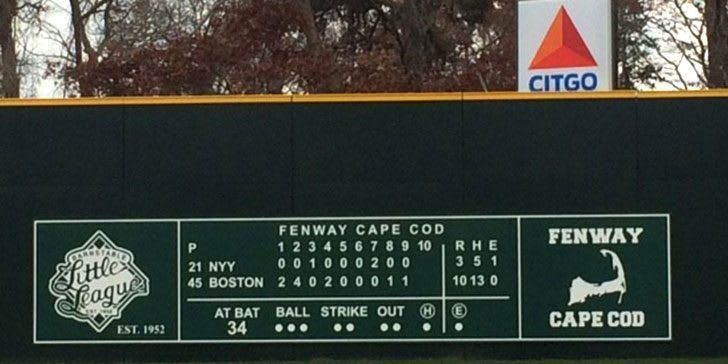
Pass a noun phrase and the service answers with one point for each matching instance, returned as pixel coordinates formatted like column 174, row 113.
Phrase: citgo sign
column 570, row 50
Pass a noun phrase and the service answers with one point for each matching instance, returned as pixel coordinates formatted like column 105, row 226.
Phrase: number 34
column 237, row 328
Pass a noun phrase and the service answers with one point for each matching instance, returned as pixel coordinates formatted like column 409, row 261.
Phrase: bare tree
column 8, row 57
column 676, row 33
column 632, row 45
column 717, row 27
column 85, row 53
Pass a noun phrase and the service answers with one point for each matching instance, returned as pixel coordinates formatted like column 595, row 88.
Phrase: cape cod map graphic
column 96, row 282
column 581, row 290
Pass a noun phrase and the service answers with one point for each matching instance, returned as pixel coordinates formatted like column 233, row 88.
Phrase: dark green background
column 254, row 247
column 361, row 159
column 154, row 247
column 549, row 269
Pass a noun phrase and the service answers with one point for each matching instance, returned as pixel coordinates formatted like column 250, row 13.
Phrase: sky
column 57, row 16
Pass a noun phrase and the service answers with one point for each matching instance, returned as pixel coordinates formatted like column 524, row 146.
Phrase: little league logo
column 96, row 282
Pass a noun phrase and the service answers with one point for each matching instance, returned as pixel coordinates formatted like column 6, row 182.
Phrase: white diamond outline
column 99, row 234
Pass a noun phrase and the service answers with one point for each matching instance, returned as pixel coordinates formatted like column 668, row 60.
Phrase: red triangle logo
column 563, row 46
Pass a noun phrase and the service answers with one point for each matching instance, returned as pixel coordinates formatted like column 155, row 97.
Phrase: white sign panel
column 565, row 45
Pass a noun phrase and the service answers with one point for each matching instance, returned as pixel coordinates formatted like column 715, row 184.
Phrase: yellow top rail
column 352, row 98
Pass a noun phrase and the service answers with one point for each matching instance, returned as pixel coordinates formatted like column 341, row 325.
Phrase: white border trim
column 179, row 281
column 669, row 281
column 35, row 282
column 443, row 283
column 520, row 288
column 347, row 218
column 518, row 338
column 363, row 340
column 346, row 299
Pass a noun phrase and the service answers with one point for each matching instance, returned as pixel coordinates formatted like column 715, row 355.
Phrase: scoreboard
column 343, row 279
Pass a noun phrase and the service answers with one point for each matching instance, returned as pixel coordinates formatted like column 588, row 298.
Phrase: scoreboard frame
column 520, row 337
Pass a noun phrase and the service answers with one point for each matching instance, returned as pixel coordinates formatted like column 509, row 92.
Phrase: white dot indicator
column 279, row 327
column 426, row 327
column 291, row 327
column 396, row 327
column 459, row 326
column 303, row 327
column 383, row 327
column 337, row 327
column 349, row 327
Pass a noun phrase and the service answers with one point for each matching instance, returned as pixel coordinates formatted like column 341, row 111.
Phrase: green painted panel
column 470, row 278
column 595, row 277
